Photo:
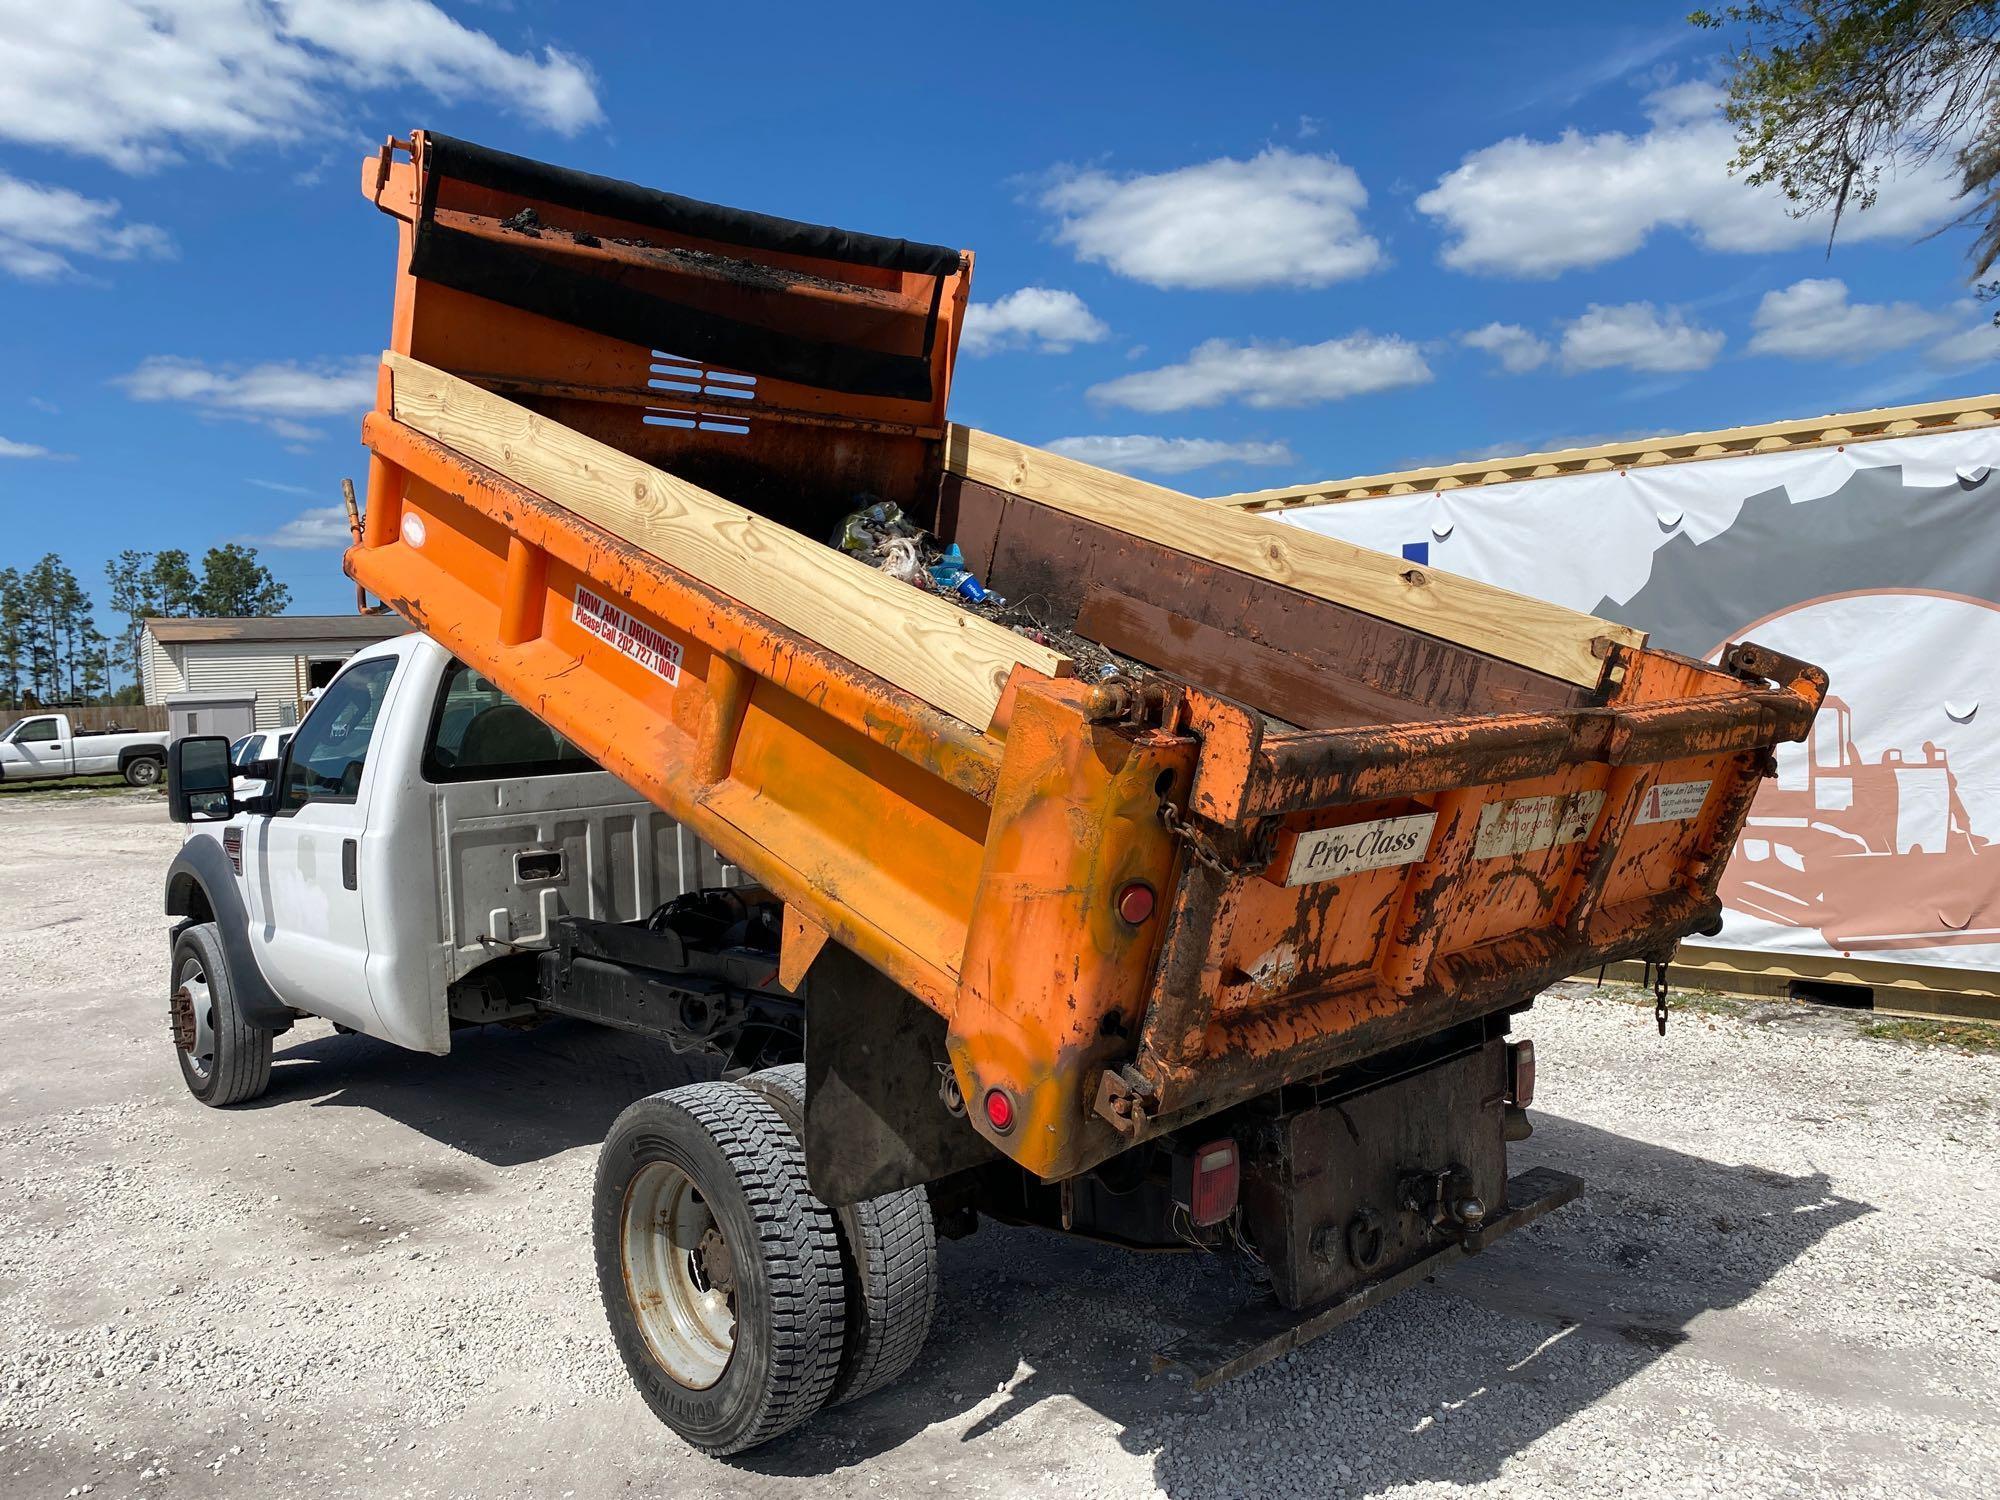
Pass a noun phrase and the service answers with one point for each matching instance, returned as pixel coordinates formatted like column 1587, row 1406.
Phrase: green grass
column 1965, row 1036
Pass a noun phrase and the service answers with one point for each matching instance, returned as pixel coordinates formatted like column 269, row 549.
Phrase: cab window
column 330, row 748
column 36, row 731
column 478, row 733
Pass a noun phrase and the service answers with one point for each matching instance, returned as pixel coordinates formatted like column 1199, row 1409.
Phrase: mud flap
column 1262, row 1331
column 875, row 1059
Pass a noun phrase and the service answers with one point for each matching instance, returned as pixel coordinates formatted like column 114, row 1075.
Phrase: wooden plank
column 1530, row 632
column 1287, row 687
column 1727, row 442
column 949, row 658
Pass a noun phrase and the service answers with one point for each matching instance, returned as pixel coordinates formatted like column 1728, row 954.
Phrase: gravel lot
column 376, row 1280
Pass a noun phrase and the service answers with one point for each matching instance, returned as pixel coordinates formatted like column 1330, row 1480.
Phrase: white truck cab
column 418, row 827
column 46, row 747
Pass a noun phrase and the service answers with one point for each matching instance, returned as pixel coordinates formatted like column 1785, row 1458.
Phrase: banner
column 1877, row 560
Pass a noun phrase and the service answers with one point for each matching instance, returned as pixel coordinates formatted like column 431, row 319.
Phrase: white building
column 261, row 667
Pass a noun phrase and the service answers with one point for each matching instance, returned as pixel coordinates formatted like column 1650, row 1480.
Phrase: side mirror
column 199, row 779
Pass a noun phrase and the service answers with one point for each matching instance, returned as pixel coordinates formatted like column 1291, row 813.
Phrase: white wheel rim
column 680, row 1275
column 194, row 984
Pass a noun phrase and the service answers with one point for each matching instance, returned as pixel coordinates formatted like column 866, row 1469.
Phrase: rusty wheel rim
column 193, row 991
column 680, row 1275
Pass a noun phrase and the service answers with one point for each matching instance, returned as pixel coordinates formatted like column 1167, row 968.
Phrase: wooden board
column 953, row 660
column 1292, row 688
column 1690, row 447
column 1529, row 632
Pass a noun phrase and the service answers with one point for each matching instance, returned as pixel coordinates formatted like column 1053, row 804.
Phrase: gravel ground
column 376, row 1281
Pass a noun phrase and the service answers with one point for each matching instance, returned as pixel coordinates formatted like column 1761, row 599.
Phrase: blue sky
column 1227, row 249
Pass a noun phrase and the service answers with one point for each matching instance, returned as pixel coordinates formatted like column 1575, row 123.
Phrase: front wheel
column 142, row 770
column 719, row 1269
column 224, row 1059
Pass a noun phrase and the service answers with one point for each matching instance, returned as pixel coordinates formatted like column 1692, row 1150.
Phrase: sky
column 1221, row 248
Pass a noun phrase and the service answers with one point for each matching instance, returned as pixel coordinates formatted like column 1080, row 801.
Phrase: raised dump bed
column 1335, row 803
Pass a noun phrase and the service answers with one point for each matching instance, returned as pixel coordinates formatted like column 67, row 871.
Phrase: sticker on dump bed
column 1323, row 853
column 619, row 630
column 1673, row 802
column 1524, row 824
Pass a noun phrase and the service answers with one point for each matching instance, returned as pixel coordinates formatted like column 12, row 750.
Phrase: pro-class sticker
column 1522, row 825
column 621, row 632
column 1323, row 853
column 1673, row 802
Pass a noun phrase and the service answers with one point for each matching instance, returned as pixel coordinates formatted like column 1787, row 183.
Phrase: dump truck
column 1184, row 900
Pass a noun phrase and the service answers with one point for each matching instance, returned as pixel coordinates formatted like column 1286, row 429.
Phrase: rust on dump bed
column 1353, row 834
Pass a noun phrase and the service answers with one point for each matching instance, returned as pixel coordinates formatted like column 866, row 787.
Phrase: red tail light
column 999, row 1110
column 1521, row 1073
column 1135, row 902
column 1212, row 1187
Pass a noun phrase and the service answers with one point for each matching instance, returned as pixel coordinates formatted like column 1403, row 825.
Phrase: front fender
column 202, row 869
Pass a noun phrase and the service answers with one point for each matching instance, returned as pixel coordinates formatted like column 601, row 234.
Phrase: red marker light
column 1521, row 1073
column 1215, row 1180
column 999, row 1110
column 1135, row 902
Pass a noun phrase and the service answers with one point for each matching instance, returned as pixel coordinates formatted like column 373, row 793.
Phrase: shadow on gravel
column 504, row 1096
column 1442, row 1384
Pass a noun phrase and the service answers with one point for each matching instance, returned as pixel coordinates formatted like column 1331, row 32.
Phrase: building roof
column 1770, row 437
column 360, row 628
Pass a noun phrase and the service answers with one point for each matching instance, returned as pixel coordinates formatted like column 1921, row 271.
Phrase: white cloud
column 1516, row 349
column 1133, row 453
column 1267, row 375
column 1538, row 208
column 138, row 82
column 322, row 527
column 1035, row 317
column 1977, row 345
column 282, row 489
column 1638, row 336
column 1812, row 319
column 11, row 449
column 1280, row 219
column 283, row 396
column 42, row 228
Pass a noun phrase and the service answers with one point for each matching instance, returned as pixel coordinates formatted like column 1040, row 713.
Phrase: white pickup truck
column 43, row 747
column 427, row 855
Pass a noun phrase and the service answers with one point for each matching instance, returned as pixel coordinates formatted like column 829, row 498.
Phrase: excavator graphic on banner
column 1877, row 856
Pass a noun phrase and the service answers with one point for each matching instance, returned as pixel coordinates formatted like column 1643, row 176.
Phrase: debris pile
column 879, row 534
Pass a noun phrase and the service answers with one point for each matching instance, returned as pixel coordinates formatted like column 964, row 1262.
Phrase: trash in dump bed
column 879, row 534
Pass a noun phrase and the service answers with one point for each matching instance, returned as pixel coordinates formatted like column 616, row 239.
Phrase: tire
column 143, row 770
column 230, row 1060
column 732, row 1330
column 888, row 1259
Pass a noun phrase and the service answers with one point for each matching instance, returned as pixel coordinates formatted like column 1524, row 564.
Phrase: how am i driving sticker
column 1673, row 802
column 634, row 638
column 1522, row 825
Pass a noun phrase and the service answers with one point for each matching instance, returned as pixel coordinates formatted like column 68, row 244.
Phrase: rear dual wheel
column 739, row 1302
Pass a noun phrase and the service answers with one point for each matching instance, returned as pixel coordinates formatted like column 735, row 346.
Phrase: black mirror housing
column 200, row 780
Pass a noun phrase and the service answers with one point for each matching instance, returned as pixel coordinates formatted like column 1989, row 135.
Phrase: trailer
column 1185, row 901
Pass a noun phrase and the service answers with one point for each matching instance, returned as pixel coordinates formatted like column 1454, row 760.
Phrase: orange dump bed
column 1247, row 806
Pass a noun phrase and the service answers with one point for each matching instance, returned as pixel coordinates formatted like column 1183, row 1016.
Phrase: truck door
column 311, row 942
column 44, row 744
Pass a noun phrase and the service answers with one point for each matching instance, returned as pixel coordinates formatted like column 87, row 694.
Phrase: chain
column 1262, row 846
column 1658, row 974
